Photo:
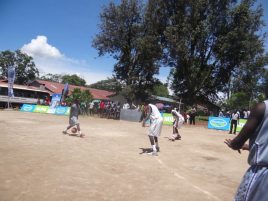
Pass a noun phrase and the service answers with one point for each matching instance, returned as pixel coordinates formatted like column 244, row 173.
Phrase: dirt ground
column 38, row 162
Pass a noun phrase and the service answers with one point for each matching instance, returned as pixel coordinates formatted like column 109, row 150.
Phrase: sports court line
column 183, row 178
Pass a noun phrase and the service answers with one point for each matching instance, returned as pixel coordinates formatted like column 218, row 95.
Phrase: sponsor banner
column 41, row 108
column 51, row 110
column 242, row 122
column 55, row 101
column 219, row 123
column 59, row 110
column 65, row 92
column 27, row 108
column 167, row 118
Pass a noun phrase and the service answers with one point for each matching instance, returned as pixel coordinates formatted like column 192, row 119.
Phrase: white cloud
column 40, row 48
column 49, row 59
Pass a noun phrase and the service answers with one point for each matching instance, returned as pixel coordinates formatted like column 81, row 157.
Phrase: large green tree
column 160, row 89
column 51, row 77
column 77, row 94
column 26, row 70
column 73, row 79
column 125, row 35
column 207, row 42
column 110, row 84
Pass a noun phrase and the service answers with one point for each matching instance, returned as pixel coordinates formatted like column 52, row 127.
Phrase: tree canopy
column 73, row 79
column 207, row 42
column 77, row 94
column 51, row 77
column 160, row 89
column 209, row 45
column 26, row 70
column 110, row 84
column 125, row 35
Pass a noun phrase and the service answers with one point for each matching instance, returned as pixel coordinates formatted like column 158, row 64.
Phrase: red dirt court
column 39, row 163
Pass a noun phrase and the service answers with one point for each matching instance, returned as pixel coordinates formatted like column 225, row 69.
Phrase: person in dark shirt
column 73, row 118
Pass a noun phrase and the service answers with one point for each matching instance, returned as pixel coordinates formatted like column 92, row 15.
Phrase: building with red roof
column 23, row 94
column 54, row 87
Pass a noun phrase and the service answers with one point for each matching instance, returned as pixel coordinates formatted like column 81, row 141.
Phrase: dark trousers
column 233, row 124
column 192, row 120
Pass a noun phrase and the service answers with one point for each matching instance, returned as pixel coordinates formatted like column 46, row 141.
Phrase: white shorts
column 156, row 127
column 177, row 124
column 73, row 121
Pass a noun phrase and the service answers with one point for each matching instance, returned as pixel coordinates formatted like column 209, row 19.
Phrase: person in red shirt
column 47, row 101
column 102, row 108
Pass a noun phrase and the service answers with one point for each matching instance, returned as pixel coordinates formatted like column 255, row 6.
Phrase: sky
column 58, row 35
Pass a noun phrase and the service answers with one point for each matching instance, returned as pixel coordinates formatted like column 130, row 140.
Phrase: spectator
column 221, row 114
column 192, row 116
column 234, row 121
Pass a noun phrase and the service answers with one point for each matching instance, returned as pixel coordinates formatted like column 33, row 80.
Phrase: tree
column 206, row 42
column 73, row 79
column 110, row 84
column 125, row 35
column 51, row 77
column 24, row 65
column 83, row 96
column 160, row 89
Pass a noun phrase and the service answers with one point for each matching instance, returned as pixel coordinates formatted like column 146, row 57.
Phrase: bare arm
column 253, row 122
column 148, row 114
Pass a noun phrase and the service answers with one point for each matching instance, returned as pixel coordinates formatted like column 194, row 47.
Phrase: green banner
column 167, row 119
column 242, row 122
column 41, row 109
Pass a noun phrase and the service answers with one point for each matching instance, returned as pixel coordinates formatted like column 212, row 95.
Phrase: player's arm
column 148, row 114
column 253, row 122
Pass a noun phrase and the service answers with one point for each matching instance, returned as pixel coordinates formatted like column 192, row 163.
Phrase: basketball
column 74, row 130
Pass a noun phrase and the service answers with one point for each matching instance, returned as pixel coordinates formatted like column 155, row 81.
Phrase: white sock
column 154, row 148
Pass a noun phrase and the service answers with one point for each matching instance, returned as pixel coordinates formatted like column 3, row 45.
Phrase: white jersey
column 156, row 122
column 178, row 117
column 155, row 114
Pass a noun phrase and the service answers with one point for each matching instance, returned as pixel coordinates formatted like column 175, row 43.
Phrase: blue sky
column 58, row 34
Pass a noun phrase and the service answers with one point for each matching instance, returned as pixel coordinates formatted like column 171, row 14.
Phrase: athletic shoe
column 158, row 149
column 153, row 153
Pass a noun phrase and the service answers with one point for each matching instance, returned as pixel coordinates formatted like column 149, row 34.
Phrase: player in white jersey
column 177, row 124
column 156, row 122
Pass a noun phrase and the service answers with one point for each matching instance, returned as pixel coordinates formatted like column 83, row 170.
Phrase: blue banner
column 27, row 108
column 219, row 123
column 55, row 101
column 59, row 110
column 65, row 92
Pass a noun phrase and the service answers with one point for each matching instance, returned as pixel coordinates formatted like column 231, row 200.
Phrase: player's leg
column 231, row 128
column 152, row 141
column 68, row 127
column 235, row 126
column 179, row 125
column 79, row 130
column 156, row 143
